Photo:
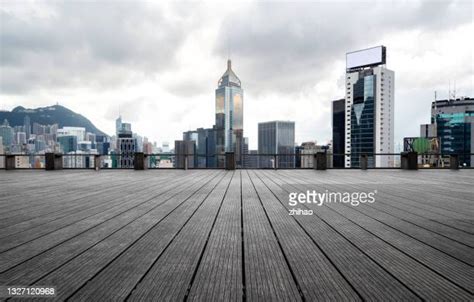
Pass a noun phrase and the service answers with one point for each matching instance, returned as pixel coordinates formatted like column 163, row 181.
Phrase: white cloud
column 160, row 63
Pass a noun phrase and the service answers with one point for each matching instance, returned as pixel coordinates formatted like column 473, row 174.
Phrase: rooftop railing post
column 275, row 161
column 321, row 162
column 97, row 162
column 409, row 160
column 230, row 161
column 139, row 162
column 364, row 161
column 53, row 161
column 10, row 162
column 454, row 162
column 185, row 166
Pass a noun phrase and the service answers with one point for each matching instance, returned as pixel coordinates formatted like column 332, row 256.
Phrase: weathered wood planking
column 214, row 235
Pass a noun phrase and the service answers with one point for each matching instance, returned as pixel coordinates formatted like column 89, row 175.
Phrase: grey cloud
column 286, row 47
column 84, row 43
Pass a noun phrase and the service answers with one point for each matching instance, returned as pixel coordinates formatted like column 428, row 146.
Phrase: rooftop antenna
column 228, row 47
column 449, row 91
column 454, row 92
column 435, row 105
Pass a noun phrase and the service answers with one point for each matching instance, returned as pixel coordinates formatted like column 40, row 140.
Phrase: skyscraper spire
column 229, row 78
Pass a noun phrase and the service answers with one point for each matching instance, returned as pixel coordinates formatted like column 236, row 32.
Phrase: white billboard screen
column 364, row 57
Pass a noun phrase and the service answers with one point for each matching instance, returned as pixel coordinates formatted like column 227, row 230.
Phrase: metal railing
column 319, row 160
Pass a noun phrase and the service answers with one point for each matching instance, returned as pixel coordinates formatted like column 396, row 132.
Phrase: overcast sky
column 159, row 64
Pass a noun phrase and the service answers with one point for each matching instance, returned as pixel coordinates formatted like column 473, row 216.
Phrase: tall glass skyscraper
column 369, row 112
column 229, row 116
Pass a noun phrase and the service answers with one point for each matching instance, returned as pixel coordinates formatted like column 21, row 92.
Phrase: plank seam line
column 188, row 290
column 350, row 242
column 403, row 252
column 42, row 252
column 298, row 287
column 153, row 226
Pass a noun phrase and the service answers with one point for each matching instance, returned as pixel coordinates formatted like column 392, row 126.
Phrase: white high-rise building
column 369, row 116
column 79, row 132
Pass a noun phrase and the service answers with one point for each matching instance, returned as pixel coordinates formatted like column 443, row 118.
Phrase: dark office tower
column 27, row 125
column 338, row 132
column 229, row 116
column 103, row 144
column 184, row 150
column 369, row 116
column 68, row 143
column 205, row 141
column 127, row 146
column 276, row 137
column 298, row 152
column 453, row 122
column 245, row 152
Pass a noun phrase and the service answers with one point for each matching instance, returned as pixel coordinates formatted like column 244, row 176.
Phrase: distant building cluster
column 451, row 131
column 78, row 146
column 125, row 143
column 362, row 125
column 34, row 140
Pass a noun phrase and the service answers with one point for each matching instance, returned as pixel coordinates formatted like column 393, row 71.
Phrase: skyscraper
column 7, row 133
column 452, row 121
column 229, row 115
column 369, row 117
column 338, row 132
column 276, row 137
column 27, row 125
column 204, row 139
column 79, row 132
column 127, row 145
column 68, row 143
column 118, row 125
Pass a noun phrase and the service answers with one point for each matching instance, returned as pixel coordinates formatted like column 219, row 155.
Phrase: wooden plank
column 219, row 275
column 51, row 213
column 445, row 245
column 120, row 269
column 25, row 251
column 173, row 265
column 370, row 280
column 419, row 278
column 181, row 235
column 34, row 269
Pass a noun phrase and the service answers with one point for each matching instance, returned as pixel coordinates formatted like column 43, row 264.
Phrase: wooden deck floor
column 211, row 235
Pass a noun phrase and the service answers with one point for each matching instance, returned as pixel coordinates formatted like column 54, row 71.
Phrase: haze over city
column 160, row 63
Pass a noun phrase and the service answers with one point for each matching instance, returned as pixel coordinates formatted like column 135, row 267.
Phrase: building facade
column 338, row 132
column 68, row 143
column 276, row 137
column 126, row 146
column 7, row 134
column 229, row 116
column 369, row 114
column 452, row 122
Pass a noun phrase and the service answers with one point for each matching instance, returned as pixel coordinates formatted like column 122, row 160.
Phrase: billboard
column 422, row 145
column 366, row 57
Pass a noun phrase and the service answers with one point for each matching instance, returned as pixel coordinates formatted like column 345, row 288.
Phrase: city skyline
column 287, row 82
